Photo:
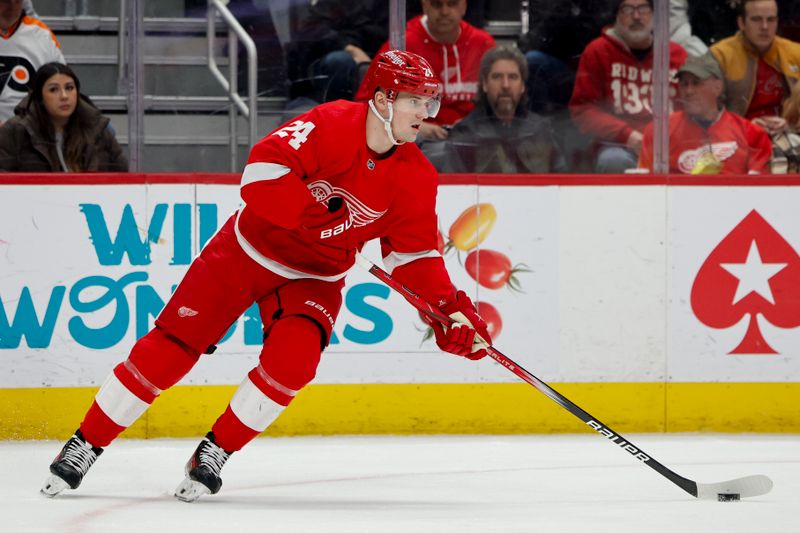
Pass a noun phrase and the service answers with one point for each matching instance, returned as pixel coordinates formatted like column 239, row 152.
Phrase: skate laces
column 79, row 455
column 212, row 456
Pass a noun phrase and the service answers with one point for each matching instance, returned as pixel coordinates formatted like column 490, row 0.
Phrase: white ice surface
column 561, row 484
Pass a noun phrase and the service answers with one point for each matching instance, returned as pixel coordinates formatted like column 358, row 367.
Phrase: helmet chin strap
column 387, row 123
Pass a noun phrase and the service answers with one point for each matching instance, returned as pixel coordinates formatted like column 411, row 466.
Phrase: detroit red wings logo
column 752, row 271
column 722, row 151
column 360, row 213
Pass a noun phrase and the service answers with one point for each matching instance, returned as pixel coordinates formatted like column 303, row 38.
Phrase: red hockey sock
column 230, row 433
column 157, row 362
column 287, row 363
column 98, row 429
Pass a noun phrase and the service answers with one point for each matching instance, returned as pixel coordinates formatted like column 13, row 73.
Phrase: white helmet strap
column 387, row 123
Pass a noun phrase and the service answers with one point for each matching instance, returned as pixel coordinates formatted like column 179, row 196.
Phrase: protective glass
column 413, row 103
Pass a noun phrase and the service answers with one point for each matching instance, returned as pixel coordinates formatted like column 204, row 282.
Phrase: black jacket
column 25, row 148
column 482, row 143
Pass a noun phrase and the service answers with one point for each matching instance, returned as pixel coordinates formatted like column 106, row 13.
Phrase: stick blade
column 746, row 487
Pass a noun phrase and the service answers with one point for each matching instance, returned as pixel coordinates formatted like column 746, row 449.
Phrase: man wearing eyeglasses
column 612, row 98
column 760, row 68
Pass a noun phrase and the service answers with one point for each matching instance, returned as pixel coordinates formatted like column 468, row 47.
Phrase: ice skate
column 202, row 471
column 70, row 465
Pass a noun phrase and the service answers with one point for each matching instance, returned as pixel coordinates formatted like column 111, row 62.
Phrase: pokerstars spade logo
column 752, row 271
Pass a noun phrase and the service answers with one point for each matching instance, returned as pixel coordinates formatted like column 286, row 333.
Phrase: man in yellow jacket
column 760, row 68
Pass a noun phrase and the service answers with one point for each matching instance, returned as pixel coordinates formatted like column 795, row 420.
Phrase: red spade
column 759, row 259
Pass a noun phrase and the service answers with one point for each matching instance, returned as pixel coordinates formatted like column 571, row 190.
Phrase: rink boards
column 656, row 304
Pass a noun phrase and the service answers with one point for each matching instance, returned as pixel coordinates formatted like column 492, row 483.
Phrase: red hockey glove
column 469, row 336
column 329, row 226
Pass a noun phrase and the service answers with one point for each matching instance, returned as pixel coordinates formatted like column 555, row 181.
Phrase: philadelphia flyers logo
column 16, row 73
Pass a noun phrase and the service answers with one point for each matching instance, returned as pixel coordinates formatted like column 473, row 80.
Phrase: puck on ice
column 728, row 497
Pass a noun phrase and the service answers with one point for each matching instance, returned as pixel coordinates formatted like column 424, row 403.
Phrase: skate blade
column 53, row 486
column 189, row 490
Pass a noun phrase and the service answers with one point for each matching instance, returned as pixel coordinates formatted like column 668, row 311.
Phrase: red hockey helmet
column 397, row 71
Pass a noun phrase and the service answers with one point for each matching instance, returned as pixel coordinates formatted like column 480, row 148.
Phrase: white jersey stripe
column 396, row 259
column 263, row 172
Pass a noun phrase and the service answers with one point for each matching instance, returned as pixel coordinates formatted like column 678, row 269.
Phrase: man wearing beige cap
column 704, row 138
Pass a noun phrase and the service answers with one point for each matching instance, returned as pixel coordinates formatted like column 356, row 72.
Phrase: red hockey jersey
column 457, row 65
column 613, row 89
column 324, row 153
column 740, row 146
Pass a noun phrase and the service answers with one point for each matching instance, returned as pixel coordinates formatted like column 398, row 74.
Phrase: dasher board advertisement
column 86, row 269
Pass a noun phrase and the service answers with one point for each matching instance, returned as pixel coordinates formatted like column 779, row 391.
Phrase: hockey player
column 454, row 48
column 314, row 190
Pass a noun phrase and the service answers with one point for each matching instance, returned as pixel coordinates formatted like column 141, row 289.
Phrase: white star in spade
column 753, row 275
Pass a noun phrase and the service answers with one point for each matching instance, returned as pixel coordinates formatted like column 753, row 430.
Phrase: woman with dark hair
column 56, row 129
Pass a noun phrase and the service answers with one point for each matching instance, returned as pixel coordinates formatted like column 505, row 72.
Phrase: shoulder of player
column 338, row 114
column 332, row 120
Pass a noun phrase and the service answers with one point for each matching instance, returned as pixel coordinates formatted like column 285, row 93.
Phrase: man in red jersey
column 612, row 98
column 454, row 49
column 315, row 190
column 704, row 138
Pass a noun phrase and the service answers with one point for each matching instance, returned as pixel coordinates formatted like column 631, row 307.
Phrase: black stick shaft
column 434, row 312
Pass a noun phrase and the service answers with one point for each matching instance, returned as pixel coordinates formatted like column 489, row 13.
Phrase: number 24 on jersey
column 299, row 131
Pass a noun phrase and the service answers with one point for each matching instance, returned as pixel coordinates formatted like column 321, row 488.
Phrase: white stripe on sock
column 118, row 403
column 253, row 408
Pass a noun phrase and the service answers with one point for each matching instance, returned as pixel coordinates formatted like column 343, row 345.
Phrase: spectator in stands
column 713, row 20
column 58, row 130
column 333, row 40
column 760, row 68
column 791, row 109
column 705, row 138
column 501, row 134
column 557, row 35
column 786, row 145
column 680, row 29
column 454, row 49
column 612, row 96
column 26, row 44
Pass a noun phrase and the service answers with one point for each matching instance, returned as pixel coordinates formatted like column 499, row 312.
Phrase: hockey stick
column 732, row 490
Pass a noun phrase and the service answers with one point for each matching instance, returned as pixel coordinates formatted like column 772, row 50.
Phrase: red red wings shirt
column 457, row 65
column 613, row 89
column 324, row 153
column 738, row 144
